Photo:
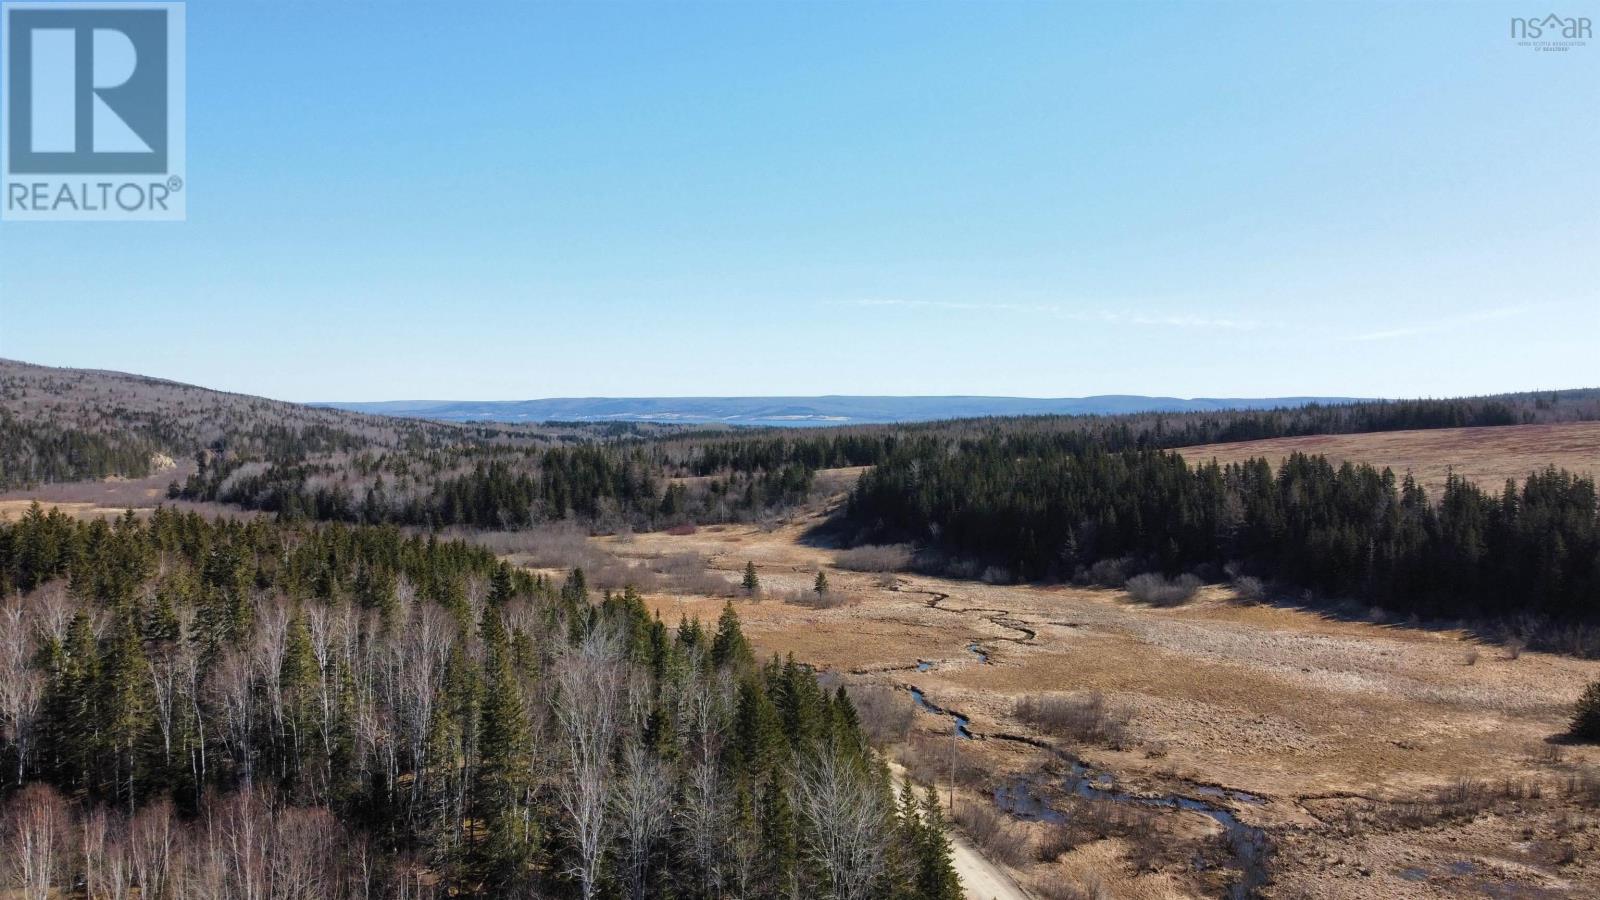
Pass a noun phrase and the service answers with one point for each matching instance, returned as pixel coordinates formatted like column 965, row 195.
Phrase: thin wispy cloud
column 1058, row 311
column 1448, row 323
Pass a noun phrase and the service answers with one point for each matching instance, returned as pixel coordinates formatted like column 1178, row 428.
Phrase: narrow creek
column 961, row 722
column 1022, row 798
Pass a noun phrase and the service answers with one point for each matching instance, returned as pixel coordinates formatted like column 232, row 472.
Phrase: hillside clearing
column 1487, row 456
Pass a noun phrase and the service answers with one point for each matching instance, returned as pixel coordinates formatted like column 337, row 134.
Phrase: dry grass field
column 1380, row 761
column 1487, row 456
column 112, row 497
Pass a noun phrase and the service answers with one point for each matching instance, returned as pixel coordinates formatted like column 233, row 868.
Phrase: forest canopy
column 273, row 709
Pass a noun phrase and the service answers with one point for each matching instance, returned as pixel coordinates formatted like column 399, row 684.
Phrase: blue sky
column 498, row 201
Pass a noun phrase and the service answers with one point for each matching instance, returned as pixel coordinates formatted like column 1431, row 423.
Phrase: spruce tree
column 503, row 765
column 729, row 647
column 500, row 586
column 123, row 708
column 752, row 582
column 298, row 678
column 780, row 840
column 936, row 873
column 1586, row 718
column 820, row 586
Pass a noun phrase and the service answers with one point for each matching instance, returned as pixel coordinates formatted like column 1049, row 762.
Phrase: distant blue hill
column 801, row 411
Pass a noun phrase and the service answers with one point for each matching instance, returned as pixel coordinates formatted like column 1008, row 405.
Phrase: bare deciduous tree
column 845, row 819
column 150, row 847
column 231, row 682
column 35, row 840
column 21, row 685
column 642, row 799
column 587, row 706
column 703, row 817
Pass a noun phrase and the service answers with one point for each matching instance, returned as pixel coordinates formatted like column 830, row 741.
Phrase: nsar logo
column 1552, row 33
column 93, row 115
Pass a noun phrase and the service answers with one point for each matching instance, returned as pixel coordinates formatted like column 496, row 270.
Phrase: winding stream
column 1021, row 797
column 960, row 720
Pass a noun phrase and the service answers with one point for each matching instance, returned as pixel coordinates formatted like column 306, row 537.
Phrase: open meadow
column 1487, row 455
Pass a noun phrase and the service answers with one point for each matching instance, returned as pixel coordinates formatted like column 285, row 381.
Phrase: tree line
column 272, row 709
column 608, row 486
column 1050, row 506
column 39, row 453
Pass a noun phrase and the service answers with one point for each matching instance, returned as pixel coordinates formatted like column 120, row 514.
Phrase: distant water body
column 799, row 412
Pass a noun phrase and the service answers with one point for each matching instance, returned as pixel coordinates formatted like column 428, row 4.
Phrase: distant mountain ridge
column 803, row 411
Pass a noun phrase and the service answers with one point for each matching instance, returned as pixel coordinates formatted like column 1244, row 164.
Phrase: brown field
column 111, row 497
column 1487, row 456
column 1383, row 761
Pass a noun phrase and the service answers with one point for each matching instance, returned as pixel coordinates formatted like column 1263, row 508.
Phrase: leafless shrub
column 1461, row 792
column 1156, row 590
column 705, row 583
column 949, row 567
column 1548, row 753
column 885, row 713
column 1089, row 719
column 1470, row 658
column 677, row 565
column 687, row 573
column 936, row 760
column 814, row 600
column 1108, row 572
column 682, row 529
column 1509, row 788
column 1574, row 640
column 1584, row 786
column 1249, row 589
column 1089, row 888
column 1461, row 799
column 1514, row 647
column 997, row 575
column 874, row 558
column 999, row 838
column 1057, row 841
column 1103, row 817
column 1540, row 633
